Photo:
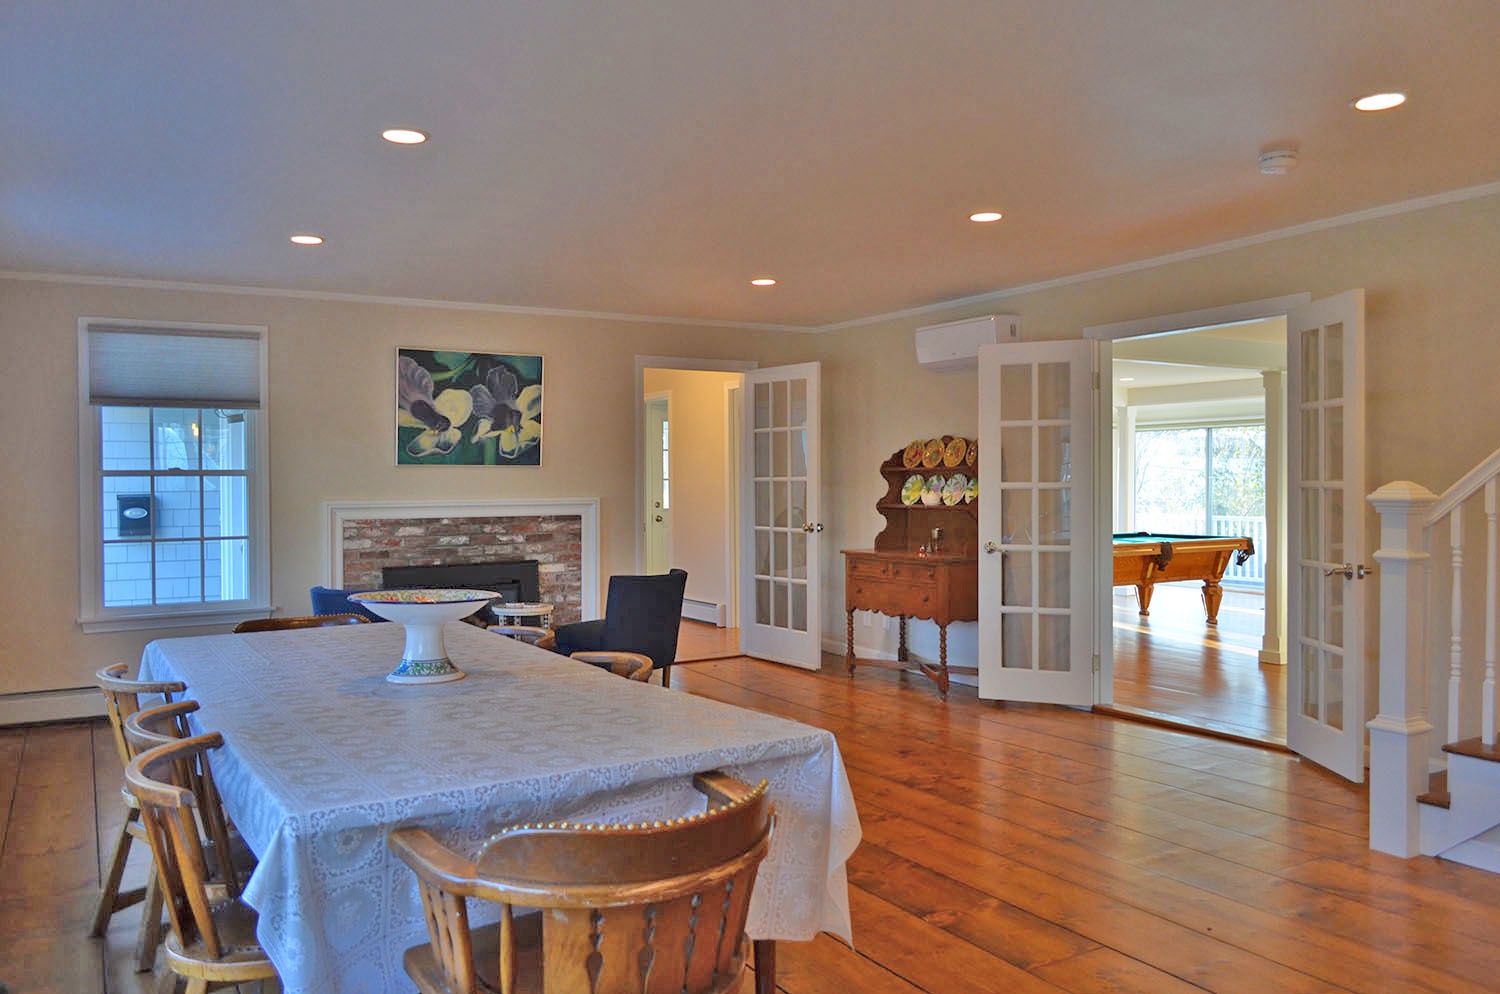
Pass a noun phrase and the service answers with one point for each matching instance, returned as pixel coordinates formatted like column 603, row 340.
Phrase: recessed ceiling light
column 1127, row 379
column 404, row 136
column 1380, row 101
column 307, row 239
column 985, row 217
column 763, row 281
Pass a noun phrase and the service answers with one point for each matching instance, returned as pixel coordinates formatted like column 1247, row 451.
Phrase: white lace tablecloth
column 323, row 757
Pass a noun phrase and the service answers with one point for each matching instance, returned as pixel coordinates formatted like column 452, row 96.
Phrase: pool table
column 1144, row 559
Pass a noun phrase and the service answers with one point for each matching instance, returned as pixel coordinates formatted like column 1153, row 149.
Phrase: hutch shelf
column 924, row 563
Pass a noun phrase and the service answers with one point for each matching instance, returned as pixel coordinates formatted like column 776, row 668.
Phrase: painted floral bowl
column 423, row 613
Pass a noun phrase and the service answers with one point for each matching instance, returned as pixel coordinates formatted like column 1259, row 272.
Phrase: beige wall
column 1432, row 281
column 701, row 500
column 330, row 405
column 1434, row 410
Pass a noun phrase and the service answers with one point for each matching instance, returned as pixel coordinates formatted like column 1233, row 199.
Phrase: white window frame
column 93, row 615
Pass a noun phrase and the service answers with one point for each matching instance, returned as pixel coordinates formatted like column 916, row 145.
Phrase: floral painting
column 468, row 408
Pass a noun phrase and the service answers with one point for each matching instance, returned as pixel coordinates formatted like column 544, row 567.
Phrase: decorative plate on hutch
column 911, row 490
column 954, row 451
column 912, row 457
column 953, row 490
column 932, row 453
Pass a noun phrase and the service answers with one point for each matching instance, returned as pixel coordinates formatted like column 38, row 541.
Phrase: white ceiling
column 651, row 159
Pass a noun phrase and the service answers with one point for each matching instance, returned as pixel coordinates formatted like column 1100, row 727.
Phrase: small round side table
column 522, row 613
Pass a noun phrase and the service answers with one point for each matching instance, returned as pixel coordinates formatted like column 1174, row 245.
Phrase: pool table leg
column 1143, row 592
column 1213, row 596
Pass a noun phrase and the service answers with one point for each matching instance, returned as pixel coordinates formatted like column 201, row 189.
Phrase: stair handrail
column 1464, row 487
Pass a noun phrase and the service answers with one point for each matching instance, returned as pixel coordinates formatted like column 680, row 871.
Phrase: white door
column 658, row 523
column 1325, row 516
column 1036, row 522
column 780, row 536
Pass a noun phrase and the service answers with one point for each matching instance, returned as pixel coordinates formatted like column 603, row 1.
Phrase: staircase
column 1435, row 771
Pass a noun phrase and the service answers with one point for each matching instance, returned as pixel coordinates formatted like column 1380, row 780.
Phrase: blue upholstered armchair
column 642, row 614
column 329, row 600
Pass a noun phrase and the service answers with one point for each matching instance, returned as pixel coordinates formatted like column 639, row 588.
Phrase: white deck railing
column 1427, row 545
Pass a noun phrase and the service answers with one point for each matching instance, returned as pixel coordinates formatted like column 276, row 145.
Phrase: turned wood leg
column 1143, row 593
column 901, row 655
column 765, row 966
column 942, row 681
column 849, row 643
column 1213, row 596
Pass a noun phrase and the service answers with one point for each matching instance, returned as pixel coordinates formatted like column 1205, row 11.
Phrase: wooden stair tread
column 1437, row 791
column 1475, row 748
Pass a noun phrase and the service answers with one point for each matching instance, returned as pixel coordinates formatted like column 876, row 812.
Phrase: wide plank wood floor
column 1174, row 665
column 1009, row 848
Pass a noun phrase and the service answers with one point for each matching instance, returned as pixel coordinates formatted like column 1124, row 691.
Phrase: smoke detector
column 1278, row 161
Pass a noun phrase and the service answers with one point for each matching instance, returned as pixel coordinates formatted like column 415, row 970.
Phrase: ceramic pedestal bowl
column 423, row 613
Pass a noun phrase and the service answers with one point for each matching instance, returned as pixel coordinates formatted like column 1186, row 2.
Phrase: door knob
column 1349, row 571
column 990, row 548
column 813, row 527
column 658, row 518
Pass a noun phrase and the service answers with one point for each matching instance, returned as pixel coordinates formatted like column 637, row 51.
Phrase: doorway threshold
column 1205, row 727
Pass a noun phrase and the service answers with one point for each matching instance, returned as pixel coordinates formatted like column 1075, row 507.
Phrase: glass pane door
column 1036, row 527
column 779, row 609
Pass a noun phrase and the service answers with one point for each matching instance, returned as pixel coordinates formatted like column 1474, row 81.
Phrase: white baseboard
column 51, row 705
column 707, row 611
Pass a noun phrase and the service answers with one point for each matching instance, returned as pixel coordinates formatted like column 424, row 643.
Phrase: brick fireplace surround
column 361, row 538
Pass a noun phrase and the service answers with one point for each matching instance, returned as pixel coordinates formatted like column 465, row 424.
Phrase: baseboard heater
column 709, row 611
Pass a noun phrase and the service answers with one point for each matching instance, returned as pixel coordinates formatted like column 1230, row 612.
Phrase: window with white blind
column 172, row 444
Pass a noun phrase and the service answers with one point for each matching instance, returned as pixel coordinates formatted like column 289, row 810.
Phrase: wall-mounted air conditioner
column 955, row 344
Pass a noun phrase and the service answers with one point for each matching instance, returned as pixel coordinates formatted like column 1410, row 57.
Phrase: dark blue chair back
column 642, row 614
column 330, row 600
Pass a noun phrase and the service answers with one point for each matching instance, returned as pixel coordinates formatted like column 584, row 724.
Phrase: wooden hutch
column 925, row 563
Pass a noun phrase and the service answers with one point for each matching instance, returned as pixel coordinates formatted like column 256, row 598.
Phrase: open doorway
column 686, row 499
column 1196, row 447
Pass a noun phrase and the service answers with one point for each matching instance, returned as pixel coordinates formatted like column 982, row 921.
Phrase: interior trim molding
column 988, row 297
column 1338, row 221
column 33, row 707
column 336, row 513
column 187, row 286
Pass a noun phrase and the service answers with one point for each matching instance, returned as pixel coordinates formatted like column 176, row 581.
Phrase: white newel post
column 1399, row 732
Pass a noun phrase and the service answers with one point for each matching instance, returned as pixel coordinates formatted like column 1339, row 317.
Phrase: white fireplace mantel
column 336, row 513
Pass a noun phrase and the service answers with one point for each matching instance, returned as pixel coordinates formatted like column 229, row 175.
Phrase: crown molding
column 979, row 299
column 183, row 286
column 1325, row 224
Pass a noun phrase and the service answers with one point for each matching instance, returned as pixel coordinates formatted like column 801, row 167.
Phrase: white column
column 1272, row 642
column 1125, row 468
column 1399, row 733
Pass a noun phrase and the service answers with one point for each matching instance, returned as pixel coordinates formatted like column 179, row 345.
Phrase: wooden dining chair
column 647, row 908
column 631, row 665
column 122, row 698
column 212, row 938
column 542, row 638
column 150, row 728
column 301, row 621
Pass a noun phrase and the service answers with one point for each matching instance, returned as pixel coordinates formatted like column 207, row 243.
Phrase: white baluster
column 1490, row 593
column 1455, row 623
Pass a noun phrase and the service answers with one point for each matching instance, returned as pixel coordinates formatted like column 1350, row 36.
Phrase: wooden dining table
column 322, row 757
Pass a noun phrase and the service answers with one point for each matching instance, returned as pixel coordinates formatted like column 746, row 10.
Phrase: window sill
column 172, row 619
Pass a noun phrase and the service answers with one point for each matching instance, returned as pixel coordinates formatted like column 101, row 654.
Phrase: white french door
column 658, row 523
column 1036, row 522
column 781, row 534
column 1325, row 514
